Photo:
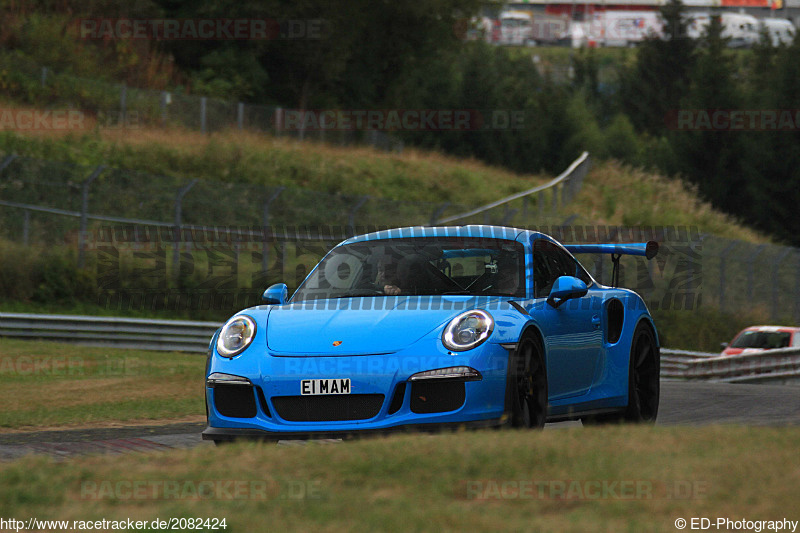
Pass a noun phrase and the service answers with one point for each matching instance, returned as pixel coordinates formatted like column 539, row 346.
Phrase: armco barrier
column 135, row 333
column 781, row 365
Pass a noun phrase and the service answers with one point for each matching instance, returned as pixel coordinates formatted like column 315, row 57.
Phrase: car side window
column 551, row 262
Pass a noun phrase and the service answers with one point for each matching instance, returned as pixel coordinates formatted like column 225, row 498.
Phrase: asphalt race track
column 682, row 403
column 701, row 403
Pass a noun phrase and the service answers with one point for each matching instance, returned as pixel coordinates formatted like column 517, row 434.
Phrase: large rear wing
column 646, row 249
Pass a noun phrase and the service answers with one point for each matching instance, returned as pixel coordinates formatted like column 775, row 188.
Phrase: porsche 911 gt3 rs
column 435, row 327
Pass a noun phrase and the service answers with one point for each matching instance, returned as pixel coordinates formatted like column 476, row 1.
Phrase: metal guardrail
column 107, row 332
column 782, row 365
column 570, row 181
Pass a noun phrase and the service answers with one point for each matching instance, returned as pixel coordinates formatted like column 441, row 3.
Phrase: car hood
column 356, row 326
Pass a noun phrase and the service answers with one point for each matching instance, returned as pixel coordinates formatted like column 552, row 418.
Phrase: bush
column 57, row 279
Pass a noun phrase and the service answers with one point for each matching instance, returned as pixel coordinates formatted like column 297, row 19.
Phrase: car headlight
column 468, row 330
column 236, row 335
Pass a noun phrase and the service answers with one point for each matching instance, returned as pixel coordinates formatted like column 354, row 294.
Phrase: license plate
column 315, row 387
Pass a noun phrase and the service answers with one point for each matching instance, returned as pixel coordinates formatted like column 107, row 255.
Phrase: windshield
column 418, row 266
column 762, row 339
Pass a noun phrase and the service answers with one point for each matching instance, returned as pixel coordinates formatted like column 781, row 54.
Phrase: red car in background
column 760, row 338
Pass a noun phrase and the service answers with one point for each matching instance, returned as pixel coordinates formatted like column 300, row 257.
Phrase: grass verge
column 597, row 479
column 612, row 193
column 47, row 384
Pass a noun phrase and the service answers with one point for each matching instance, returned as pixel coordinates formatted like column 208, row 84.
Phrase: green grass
column 263, row 160
column 461, row 481
column 51, row 384
column 413, row 181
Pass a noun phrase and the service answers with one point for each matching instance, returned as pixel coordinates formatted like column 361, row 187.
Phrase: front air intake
column 437, row 396
column 235, row 401
column 328, row 408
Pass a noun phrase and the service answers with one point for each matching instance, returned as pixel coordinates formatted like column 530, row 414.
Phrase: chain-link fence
column 208, row 245
column 111, row 105
column 288, row 229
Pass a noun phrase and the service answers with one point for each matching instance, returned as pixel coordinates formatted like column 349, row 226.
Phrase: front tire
column 528, row 385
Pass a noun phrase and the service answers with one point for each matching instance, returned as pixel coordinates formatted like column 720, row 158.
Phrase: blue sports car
column 434, row 327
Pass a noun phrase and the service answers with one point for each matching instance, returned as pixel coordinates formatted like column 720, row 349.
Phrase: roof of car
column 772, row 328
column 480, row 231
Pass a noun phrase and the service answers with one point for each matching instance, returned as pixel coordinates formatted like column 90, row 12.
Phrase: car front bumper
column 267, row 403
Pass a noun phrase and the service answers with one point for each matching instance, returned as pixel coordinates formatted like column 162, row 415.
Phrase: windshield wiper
column 357, row 295
column 452, row 293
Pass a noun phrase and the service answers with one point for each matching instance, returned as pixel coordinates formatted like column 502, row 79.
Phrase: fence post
column 163, row 104
column 540, row 202
column 265, row 221
column 240, row 115
column 26, row 228
column 176, row 254
column 750, row 261
column 598, row 268
column 775, row 281
column 7, row 161
column 723, row 257
column 301, row 132
column 438, row 212
column 278, row 121
column 284, row 261
column 84, row 214
column 203, row 115
column 508, row 216
column 351, row 217
column 123, row 103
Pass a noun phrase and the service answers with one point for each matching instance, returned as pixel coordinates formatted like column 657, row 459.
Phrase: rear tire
column 528, row 385
column 644, row 387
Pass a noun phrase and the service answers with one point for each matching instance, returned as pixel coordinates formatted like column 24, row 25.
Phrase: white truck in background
column 516, row 28
column 741, row 29
column 780, row 31
column 524, row 28
column 616, row 28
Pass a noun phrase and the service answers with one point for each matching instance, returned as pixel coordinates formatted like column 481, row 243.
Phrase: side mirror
column 276, row 294
column 724, row 345
column 565, row 288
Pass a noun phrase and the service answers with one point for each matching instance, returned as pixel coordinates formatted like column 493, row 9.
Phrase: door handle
column 596, row 321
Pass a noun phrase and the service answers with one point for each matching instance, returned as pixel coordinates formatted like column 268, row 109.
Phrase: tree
column 344, row 52
column 653, row 87
column 776, row 193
